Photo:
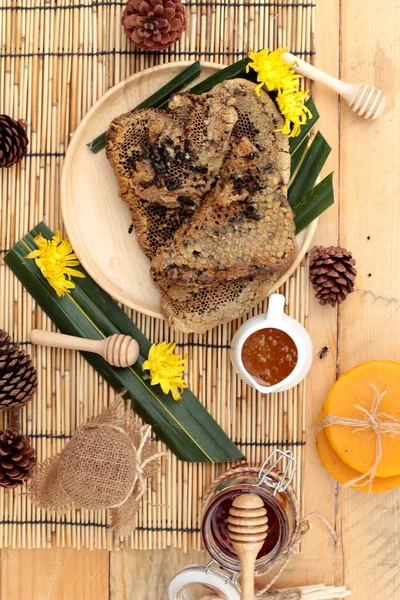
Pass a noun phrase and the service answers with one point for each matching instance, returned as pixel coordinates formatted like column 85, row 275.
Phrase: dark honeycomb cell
column 125, row 150
column 162, row 224
column 203, row 300
column 177, row 171
column 244, row 126
column 198, row 131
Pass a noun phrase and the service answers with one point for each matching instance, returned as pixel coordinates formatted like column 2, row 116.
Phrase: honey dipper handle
column 311, row 72
column 60, row 340
column 247, row 560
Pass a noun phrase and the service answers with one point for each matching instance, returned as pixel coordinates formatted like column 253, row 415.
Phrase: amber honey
column 219, row 524
column 269, row 355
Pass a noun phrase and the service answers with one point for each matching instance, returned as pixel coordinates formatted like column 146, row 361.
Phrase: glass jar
column 273, row 486
column 218, row 580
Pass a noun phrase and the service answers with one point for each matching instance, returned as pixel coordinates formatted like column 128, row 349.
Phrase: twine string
column 379, row 422
column 139, row 478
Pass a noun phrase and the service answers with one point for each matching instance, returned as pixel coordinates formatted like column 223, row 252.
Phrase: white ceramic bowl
column 276, row 319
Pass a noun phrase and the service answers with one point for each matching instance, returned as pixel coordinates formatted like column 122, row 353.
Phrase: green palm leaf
column 185, row 426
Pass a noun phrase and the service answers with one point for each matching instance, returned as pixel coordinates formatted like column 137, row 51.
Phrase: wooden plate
column 97, row 221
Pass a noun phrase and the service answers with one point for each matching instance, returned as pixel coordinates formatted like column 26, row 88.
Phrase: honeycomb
column 229, row 241
column 176, row 159
column 125, row 150
column 198, row 128
column 203, row 308
column 206, row 183
column 244, row 127
column 202, row 300
column 155, row 224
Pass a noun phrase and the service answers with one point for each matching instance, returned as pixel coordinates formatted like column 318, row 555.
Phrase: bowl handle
column 276, row 305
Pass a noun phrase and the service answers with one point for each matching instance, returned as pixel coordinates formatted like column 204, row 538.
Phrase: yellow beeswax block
column 343, row 473
column 356, row 446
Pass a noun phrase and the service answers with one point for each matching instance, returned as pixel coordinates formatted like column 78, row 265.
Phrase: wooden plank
column 146, row 574
column 369, row 227
column 55, row 574
column 316, row 563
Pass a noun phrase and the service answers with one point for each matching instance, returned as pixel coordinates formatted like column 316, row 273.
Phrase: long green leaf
column 314, row 203
column 238, row 69
column 158, row 99
column 185, row 426
column 309, row 169
column 298, row 155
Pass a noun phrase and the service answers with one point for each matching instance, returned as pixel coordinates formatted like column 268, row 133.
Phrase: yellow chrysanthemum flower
column 272, row 70
column 55, row 258
column 166, row 368
column 291, row 105
column 277, row 75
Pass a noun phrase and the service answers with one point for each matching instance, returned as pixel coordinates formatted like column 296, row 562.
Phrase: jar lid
column 198, row 582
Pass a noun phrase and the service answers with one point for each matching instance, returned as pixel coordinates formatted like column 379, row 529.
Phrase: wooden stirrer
column 247, row 526
column 364, row 99
column 118, row 350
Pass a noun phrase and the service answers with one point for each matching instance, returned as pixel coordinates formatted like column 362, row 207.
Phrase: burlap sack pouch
column 104, row 466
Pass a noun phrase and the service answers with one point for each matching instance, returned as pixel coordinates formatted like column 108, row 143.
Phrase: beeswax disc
column 343, row 473
column 358, row 387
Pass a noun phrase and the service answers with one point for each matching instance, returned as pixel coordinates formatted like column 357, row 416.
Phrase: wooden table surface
column 356, row 40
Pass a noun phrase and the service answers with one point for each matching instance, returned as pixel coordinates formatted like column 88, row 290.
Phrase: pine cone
column 332, row 274
column 17, row 458
column 13, row 141
column 18, row 379
column 153, row 24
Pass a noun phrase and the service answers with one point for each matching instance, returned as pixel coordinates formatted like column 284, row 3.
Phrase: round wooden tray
column 97, row 221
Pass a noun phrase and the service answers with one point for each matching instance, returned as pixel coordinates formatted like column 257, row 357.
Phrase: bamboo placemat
column 57, row 58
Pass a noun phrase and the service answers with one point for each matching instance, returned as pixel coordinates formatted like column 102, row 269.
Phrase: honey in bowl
column 269, row 355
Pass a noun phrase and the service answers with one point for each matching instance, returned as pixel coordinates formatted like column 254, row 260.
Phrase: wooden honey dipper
column 118, row 350
column 247, row 526
column 365, row 100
